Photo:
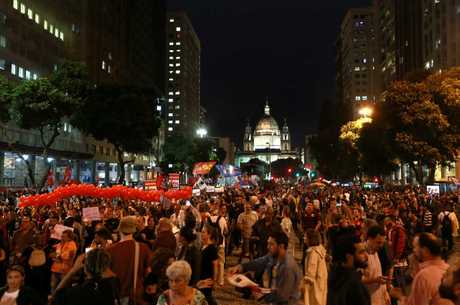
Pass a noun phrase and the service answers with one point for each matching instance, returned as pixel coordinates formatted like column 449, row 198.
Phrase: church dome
column 267, row 132
column 267, row 126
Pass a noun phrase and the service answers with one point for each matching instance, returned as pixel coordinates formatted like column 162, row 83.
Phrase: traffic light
column 289, row 170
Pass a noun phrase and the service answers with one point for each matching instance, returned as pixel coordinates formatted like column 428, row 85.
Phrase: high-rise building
column 358, row 57
column 183, row 74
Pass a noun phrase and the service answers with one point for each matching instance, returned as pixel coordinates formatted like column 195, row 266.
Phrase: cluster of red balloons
column 89, row 190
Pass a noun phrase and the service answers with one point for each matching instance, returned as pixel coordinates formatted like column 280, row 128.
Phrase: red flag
column 160, row 182
column 50, row 178
column 67, row 174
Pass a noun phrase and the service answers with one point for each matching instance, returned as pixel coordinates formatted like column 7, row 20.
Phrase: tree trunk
column 121, row 166
column 30, row 170
column 432, row 173
column 418, row 171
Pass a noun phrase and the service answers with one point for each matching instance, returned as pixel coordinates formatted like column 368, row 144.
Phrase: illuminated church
column 267, row 143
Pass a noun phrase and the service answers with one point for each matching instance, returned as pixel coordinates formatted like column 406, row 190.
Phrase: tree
column 221, row 155
column 255, row 166
column 285, row 167
column 123, row 116
column 5, row 99
column 178, row 151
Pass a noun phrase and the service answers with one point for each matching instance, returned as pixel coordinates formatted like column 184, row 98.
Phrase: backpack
column 216, row 225
column 446, row 225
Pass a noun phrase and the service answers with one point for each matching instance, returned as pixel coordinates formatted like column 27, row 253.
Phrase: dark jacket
column 104, row 292
column 346, row 288
column 27, row 296
column 192, row 255
column 165, row 239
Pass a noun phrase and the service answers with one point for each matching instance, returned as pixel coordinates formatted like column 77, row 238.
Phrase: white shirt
column 9, row 298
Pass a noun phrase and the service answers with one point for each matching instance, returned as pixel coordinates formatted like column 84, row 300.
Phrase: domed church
column 268, row 142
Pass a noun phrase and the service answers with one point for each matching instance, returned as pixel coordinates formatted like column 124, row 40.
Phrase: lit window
column 51, row 29
column 171, row 65
column 170, row 122
column 28, row 75
column 177, row 107
column 61, row 36
column 171, row 93
column 170, row 100
column 170, row 114
column 30, row 14
column 158, row 107
column 171, row 79
column 171, row 57
column 177, row 92
column 171, row 51
column 170, row 129
column 171, row 72
column 21, row 72
column 2, row 64
column 178, row 29
column 35, row 76
column 37, row 19
column 178, row 50
column 177, row 57
column 109, row 69
column 171, row 20
column 45, row 25
column 357, row 98
column 13, row 69
column 177, row 71
column 177, row 43
column 56, row 32
column 2, row 41
column 177, row 64
column 177, row 122
column 23, row 8
column 171, row 43
column 15, row 4
column 365, row 60
column 357, row 69
column 364, row 98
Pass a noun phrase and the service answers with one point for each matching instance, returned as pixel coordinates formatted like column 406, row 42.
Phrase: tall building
column 183, row 74
column 358, row 57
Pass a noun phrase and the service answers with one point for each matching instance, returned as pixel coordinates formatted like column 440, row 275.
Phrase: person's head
column 164, row 225
column 376, row 237
column 186, row 235
column 97, row 261
column 349, row 250
column 179, row 274
column 209, row 235
column 312, row 238
column 426, row 247
column 15, row 277
column 53, row 220
column 450, row 285
column 127, row 226
column 247, row 207
column 286, row 211
column 26, row 222
column 223, row 209
column 151, row 284
column 388, row 223
column 277, row 244
column 101, row 236
column 309, row 208
column 268, row 215
column 67, row 236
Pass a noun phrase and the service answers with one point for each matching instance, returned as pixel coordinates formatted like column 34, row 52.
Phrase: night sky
column 252, row 49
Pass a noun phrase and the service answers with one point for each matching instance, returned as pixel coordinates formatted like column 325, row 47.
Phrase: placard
column 58, row 229
column 91, row 214
column 196, row 192
column 433, row 189
column 210, row 189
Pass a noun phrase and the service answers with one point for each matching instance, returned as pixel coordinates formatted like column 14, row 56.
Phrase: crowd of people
column 299, row 244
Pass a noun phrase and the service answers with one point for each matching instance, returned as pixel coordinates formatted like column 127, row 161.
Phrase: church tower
column 285, row 138
column 248, row 141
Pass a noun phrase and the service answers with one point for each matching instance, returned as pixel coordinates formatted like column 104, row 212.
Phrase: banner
column 57, row 231
column 203, row 168
column 150, row 185
column 91, row 214
column 174, row 180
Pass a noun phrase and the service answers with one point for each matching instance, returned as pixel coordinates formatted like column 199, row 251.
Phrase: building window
column 177, row 57
column 170, row 122
column 178, row 29
column 171, row 43
column 171, row 20
column 357, row 69
column 15, row 4
column 2, row 64
column 177, row 107
column 45, row 25
column 56, row 33
column 177, row 71
column 21, row 72
column 171, row 57
column 37, row 19
column 171, row 51
column 30, row 14
column 2, row 41
column 158, row 107
column 177, row 64
column 171, row 65
column 171, row 79
column 170, row 129
column 23, row 8
column 171, row 100
column 109, row 69
column 103, row 65
column 177, row 122
column 51, row 29
column 177, row 92
column 364, row 98
column 357, row 98
column 13, row 69
column 170, row 93
column 28, row 75
column 61, row 36
column 170, row 114
column 171, row 72
column 177, row 43
column 35, row 76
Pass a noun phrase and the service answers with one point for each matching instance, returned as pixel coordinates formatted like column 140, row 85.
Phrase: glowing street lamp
column 365, row 112
column 202, row 132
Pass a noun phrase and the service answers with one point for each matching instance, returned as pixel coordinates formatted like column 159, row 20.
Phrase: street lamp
column 202, row 132
column 365, row 112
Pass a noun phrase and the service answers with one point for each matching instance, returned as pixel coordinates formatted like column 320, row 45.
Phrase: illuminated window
column 171, row 65
column 170, row 129
column 171, row 79
column 364, row 98
column 177, row 43
column 171, row 43
column 61, row 36
column 28, row 75
column 37, row 19
column 2, row 64
column 56, row 33
column 365, row 60
column 51, row 29
column 170, row 114
column 171, row 72
column 178, row 29
column 30, row 14
column 171, row 57
column 357, row 98
column 177, row 57
column 177, row 92
column 171, row 20
column 23, row 8
column 177, row 64
column 177, row 122
column 170, row 122
column 171, row 93
column 21, row 72
column 35, row 76
column 171, row 51
column 13, row 69
column 178, row 50
column 357, row 69
column 45, row 25
column 177, row 71
column 158, row 107
column 177, row 107
column 171, row 100
column 109, row 69
column 15, row 4
column 2, row 41
column 103, row 65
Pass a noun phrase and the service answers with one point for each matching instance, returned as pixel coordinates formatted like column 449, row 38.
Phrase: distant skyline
column 256, row 49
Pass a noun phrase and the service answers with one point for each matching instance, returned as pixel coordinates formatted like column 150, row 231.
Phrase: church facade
column 267, row 142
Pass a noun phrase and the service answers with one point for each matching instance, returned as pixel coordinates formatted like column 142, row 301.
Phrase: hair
column 104, row 233
column 280, row 238
column 16, row 268
column 179, row 270
column 160, row 259
column 69, row 233
column 343, row 244
column 212, row 232
column 187, row 234
column 96, row 262
column 374, row 231
column 431, row 242
column 314, row 237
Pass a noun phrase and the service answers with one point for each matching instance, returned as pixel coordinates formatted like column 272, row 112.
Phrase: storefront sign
column 150, row 185
column 174, row 180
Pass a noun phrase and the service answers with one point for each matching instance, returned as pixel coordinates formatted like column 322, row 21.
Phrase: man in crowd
column 245, row 222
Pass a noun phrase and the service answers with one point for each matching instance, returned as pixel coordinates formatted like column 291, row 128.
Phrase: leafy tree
column 5, row 99
column 177, row 151
column 123, row 116
column 281, row 167
column 255, row 166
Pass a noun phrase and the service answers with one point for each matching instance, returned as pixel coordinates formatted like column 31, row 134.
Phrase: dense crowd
column 317, row 245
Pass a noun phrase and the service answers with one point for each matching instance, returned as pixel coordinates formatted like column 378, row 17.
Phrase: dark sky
column 252, row 49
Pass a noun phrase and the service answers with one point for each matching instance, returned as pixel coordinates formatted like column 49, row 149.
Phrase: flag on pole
column 50, row 178
column 67, row 174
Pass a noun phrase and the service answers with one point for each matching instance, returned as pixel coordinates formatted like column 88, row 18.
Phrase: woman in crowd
column 209, row 260
column 63, row 258
column 288, row 229
column 179, row 292
column 315, row 270
column 100, row 287
column 15, row 292
column 190, row 253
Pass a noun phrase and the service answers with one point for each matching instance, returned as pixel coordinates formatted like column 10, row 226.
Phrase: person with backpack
column 219, row 221
column 448, row 225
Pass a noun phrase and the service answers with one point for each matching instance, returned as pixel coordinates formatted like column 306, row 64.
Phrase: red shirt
column 122, row 254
